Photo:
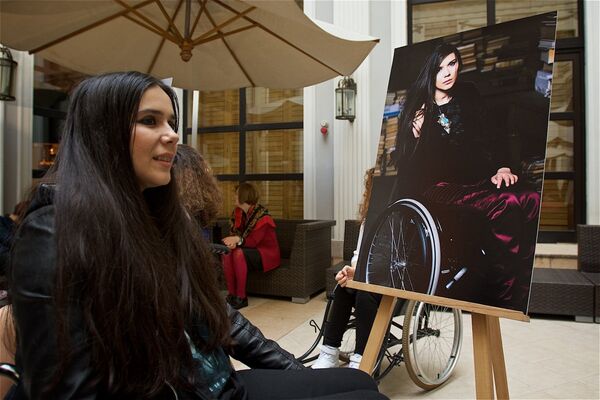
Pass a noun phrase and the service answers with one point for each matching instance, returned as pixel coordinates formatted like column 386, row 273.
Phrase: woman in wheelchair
column 449, row 152
column 113, row 291
column 364, row 303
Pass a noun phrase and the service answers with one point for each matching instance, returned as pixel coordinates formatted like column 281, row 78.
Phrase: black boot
column 238, row 302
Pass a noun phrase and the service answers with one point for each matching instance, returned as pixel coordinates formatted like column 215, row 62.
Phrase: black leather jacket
column 32, row 273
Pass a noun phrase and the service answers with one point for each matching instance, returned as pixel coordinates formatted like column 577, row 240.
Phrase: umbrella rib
column 202, row 7
column 280, row 38
column 159, row 32
column 87, row 28
column 231, row 51
column 160, row 46
column 172, row 25
column 162, row 41
column 157, row 29
column 217, row 28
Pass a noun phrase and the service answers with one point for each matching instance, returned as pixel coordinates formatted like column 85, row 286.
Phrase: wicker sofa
column 568, row 291
column 305, row 247
column 351, row 232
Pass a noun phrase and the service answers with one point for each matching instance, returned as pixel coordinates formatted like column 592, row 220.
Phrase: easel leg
column 382, row 319
column 498, row 364
column 490, row 368
column 484, row 384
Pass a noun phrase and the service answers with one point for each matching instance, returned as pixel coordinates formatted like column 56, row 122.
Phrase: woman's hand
column 505, row 175
column 231, row 241
column 345, row 275
column 418, row 121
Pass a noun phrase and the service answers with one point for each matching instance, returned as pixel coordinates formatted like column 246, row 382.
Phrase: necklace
column 444, row 122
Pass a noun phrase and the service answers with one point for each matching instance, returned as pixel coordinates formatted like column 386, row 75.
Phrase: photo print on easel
column 456, row 199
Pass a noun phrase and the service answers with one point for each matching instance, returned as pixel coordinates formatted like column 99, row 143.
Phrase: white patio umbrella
column 202, row 44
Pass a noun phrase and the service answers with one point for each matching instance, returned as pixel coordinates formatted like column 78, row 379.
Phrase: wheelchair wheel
column 404, row 250
column 431, row 341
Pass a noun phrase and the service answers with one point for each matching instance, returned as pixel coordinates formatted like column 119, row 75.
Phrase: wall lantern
column 345, row 99
column 7, row 74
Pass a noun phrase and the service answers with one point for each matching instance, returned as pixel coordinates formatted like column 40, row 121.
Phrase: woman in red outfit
column 252, row 241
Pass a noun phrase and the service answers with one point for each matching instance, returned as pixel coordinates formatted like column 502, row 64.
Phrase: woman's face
column 154, row 141
column 447, row 74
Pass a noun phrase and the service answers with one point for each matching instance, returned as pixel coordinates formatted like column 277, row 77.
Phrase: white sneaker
column 328, row 358
column 355, row 360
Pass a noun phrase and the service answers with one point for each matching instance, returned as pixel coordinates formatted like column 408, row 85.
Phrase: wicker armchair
column 567, row 291
column 305, row 247
column 588, row 260
column 351, row 232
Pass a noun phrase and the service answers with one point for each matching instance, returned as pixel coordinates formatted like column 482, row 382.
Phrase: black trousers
column 365, row 305
column 316, row 384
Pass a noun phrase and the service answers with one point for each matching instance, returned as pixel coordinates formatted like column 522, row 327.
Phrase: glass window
column 562, row 87
column 219, row 108
column 228, row 193
column 559, row 149
column 507, row 10
column 51, row 87
column 272, row 132
column 432, row 20
column 557, row 205
column 283, row 199
column 273, row 105
column 221, row 150
column 276, row 151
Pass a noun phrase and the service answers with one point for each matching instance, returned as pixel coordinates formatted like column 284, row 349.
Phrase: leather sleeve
column 253, row 349
column 32, row 276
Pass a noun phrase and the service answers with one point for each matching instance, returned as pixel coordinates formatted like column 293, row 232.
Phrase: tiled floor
column 545, row 359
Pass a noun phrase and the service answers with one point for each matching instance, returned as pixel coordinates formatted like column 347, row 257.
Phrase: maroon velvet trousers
column 512, row 214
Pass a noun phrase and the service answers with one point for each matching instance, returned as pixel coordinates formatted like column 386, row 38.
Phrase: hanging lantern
column 345, row 99
column 7, row 74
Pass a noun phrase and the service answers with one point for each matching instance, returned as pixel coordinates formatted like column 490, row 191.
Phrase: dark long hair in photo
column 422, row 91
column 132, row 261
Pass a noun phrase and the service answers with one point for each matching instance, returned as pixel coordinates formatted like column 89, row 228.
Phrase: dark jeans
column 321, row 384
column 365, row 305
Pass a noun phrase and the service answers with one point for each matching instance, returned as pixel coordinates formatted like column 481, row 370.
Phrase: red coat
column 263, row 238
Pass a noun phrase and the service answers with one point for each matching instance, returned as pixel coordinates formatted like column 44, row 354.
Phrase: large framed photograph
column 455, row 204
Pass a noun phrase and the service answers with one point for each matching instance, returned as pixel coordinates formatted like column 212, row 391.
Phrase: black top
column 456, row 145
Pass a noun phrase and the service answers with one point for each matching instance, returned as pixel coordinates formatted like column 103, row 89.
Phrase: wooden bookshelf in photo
column 468, row 56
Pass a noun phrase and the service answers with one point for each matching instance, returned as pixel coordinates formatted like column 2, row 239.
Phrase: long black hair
column 132, row 262
column 422, row 91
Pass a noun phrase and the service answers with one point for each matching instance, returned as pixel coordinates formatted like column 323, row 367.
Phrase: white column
column 17, row 134
column 318, row 149
column 591, row 9
column 353, row 147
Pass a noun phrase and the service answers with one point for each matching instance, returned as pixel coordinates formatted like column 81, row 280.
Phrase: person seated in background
column 198, row 187
column 365, row 304
column 252, row 241
column 114, row 292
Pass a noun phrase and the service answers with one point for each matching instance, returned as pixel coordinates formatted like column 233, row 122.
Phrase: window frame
column 242, row 128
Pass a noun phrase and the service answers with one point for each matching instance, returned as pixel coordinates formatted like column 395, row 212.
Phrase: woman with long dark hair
column 114, row 292
column 449, row 152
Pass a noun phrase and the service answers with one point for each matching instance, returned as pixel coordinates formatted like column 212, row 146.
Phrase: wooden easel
column 490, row 369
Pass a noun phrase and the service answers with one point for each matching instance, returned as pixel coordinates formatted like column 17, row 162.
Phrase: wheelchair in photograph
column 428, row 249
